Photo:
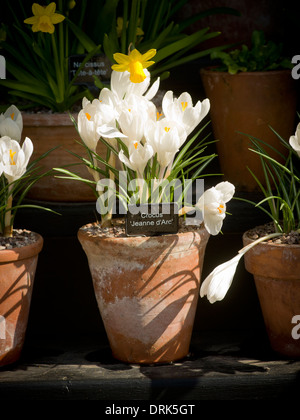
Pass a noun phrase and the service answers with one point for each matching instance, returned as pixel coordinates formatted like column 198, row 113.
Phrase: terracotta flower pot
column 249, row 103
column 17, row 271
column 276, row 270
column 51, row 130
column 147, row 291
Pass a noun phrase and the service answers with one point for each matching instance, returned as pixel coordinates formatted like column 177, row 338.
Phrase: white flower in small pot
column 19, row 248
column 272, row 251
column 147, row 284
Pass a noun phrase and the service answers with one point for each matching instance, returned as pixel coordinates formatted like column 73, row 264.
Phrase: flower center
column 183, row 105
column 135, row 144
column 220, row 208
column 158, row 115
column 88, row 116
column 11, row 155
column 167, row 129
column 137, row 74
column 44, row 24
column 12, row 116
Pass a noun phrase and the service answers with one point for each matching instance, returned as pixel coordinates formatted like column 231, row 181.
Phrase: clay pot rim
column 201, row 230
column 248, row 240
column 23, row 252
column 209, row 70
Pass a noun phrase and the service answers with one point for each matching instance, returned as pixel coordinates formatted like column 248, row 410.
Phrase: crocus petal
column 109, row 132
column 218, row 282
column 9, row 128
column 27, row 148
column 153, row 90
column 226, row 189
column 295, row 140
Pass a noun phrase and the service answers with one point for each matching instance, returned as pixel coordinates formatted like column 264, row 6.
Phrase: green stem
column 263, row 238
column 60, row 82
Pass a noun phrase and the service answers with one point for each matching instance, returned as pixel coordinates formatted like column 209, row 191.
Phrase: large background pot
column 147, row 291
column 47, row 130
column 276, row 270
column 17, row 271
column 249, row 103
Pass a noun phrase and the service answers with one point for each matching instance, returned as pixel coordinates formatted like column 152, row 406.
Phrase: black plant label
column 98, row 66
column 152, row 219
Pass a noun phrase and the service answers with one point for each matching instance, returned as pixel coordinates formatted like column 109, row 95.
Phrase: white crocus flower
column 166, row 137
column 218, row 282
column 135, row 112
column 212, row 203
column 96, row 120
column 139, row 156
column 11, row 123
column 295, row 140
column 181, row 109
column 14, row 157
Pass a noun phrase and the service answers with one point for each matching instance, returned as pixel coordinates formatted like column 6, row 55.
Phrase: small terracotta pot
column 17, row 271
column 249, row 103
column 276, row 270
column 57, row 130
column 147, row 291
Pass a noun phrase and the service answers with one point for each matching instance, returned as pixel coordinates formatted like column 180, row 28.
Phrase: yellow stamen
column 158, row 115
column 220, row 208
column 135, row 144
column 167, row 129
column 184, row 105
column 12, row 116
column 88, row 116
column 11, row 155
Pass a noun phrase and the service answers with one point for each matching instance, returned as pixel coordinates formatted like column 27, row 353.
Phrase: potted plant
column 272, row 251
column 146, row 280
column 37, row 50
column 19, row 248
column 38, row 69
column 250, row 89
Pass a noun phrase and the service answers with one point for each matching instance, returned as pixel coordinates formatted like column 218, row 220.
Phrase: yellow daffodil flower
column 134, row 63
column 44, row 18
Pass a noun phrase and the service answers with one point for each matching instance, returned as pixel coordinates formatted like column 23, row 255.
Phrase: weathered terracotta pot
column 249, row 103
column 17, row 271
column 147, row 291
column 57, row 130
column 276, row 270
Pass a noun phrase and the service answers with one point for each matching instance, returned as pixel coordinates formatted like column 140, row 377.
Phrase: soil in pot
column 275, row 266
column 147, row 290
column 18, row 261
